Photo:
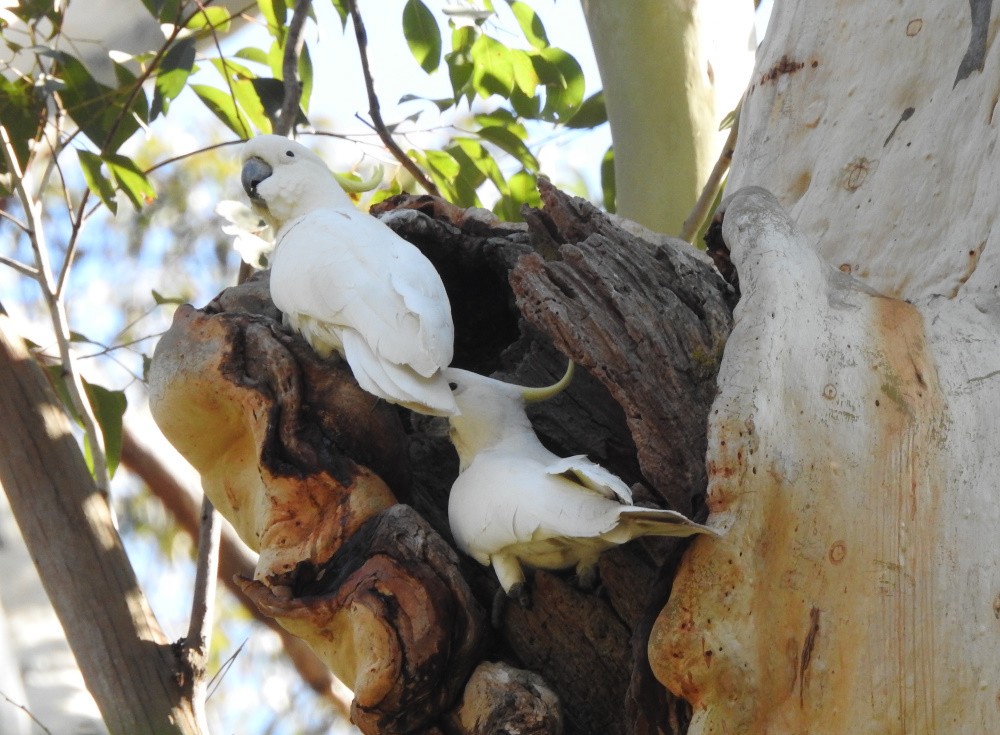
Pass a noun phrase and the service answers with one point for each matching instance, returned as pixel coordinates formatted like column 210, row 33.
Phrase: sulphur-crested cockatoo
column 347, row 282
column 516, row 503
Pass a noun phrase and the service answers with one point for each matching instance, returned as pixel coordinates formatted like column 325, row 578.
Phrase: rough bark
column 129, row 666
column 354, row 585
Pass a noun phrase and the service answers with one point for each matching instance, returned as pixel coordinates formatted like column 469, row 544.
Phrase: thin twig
column 290, row 69
column 375, row 110
column 57, row 312
column 199, row 634
column 702, row 208
column 22, row 268
column 14, row 220
column 28, row 712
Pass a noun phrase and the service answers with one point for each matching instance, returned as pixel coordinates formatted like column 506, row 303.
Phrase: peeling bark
column 302, row 462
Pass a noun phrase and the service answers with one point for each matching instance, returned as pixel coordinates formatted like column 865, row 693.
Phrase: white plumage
column 347, row 282
column 515, row 502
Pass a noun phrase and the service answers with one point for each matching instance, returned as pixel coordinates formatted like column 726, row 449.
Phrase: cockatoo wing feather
column 348, row 272
column 593, row 477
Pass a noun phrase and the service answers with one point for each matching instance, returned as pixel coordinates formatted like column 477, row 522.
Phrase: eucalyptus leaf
column 224, row 107
column 97, row 182
column 422, row 35
column 531, row 24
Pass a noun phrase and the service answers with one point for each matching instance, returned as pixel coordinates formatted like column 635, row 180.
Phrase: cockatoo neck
column 489, row 420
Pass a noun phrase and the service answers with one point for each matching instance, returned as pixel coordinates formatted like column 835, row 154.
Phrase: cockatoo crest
column 347, row 282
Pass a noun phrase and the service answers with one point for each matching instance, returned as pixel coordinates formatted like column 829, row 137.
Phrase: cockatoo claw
column 521, row 593
column 586, row 577
column 499, row 605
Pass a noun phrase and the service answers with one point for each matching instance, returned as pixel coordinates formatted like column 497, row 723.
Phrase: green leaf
column 224, row 107
column 493, row 71
column 213, row 17
column 524, row 189
column 254, row 54
column 422, row 35
column 460, row 64
column 97, row 182
column 442, row 104
column 109, row 408
column 563, row 80
column 306, row 78
column 503, row 119
column 167, row 11
column 274, row 12
column 608, row 180
column 525, row 76
column 479, row 157
column 243, row 83
column 97, row 108
column 451, row 178
column 531, row 25
column 172, row 75
column 22, row 115
column 591, row 112
column 509, row 142
column 160, row 299
column 130, row 179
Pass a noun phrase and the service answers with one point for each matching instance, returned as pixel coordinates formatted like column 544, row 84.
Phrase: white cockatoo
column 516, row 503
column 347, row 282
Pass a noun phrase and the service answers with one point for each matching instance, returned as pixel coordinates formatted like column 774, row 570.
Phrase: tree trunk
column 852, row 457
column 129, row 667
column 276, row 432
column 671, row 70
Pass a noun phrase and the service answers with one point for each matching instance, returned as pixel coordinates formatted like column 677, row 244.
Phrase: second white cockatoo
column 515, row 503
column 347, row 282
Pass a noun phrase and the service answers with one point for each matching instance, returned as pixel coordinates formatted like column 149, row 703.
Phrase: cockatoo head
column 491, row 410
column 284, row 180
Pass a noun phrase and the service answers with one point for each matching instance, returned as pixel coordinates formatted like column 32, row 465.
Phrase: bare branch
column 702, row 207
column 196, row 645
column 57, row 313
column 22, row 268
column 375, row 110
column 124, row 656
column 26, row 711
column 290, row 69
column 14, row 220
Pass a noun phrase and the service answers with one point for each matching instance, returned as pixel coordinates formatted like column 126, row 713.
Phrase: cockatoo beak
column 255, row 170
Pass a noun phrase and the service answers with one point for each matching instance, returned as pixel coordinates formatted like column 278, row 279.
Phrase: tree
column 846, row 385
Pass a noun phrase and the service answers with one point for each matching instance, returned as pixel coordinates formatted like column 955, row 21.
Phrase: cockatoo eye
column 290, row 154
column 453, row 386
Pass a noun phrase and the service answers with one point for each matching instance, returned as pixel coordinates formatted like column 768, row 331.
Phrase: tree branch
column 196, row 645
column 290, row 69
column 702, row 208
column 375, row 110
column 127, row 662
column 234, row 559
column 57, row 313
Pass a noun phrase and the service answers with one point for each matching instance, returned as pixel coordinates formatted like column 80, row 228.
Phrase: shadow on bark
column 309, row 468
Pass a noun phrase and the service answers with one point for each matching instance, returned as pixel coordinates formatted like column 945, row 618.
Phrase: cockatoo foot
column 499, row 606
column 586, row 578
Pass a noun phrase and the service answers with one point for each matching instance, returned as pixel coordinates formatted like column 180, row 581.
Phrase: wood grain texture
column 129, row 666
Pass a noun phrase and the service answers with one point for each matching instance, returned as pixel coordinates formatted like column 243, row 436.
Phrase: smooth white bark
column 852, row 452
column 672, row 70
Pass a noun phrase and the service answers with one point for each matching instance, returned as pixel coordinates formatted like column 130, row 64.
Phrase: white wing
column 593, row 477
column 364, row 285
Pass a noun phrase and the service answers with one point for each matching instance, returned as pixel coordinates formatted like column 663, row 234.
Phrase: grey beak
column 255, row 170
